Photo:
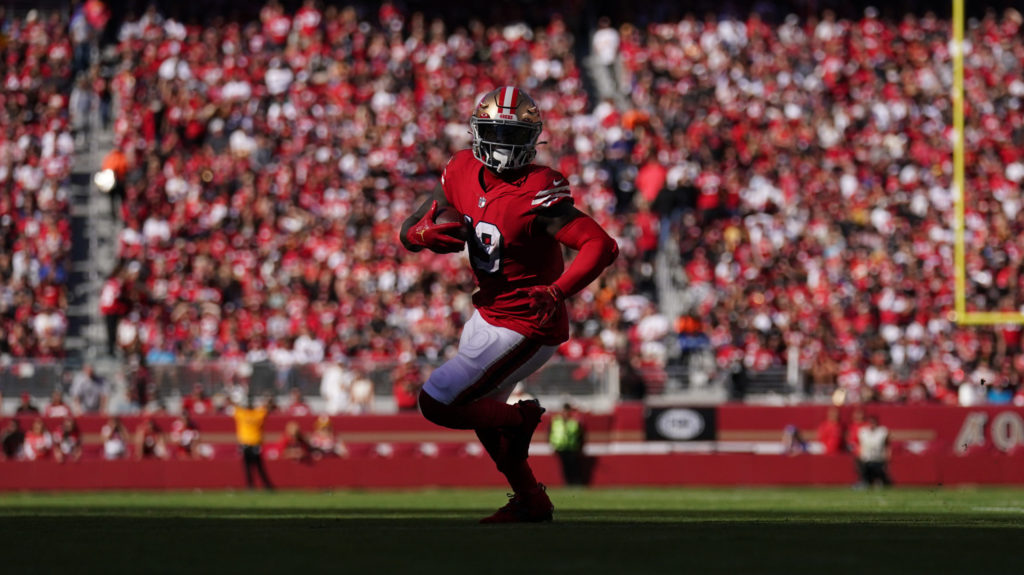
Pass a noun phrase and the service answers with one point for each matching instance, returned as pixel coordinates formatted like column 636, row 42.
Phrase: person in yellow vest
column 249, row 430
column 566, row 436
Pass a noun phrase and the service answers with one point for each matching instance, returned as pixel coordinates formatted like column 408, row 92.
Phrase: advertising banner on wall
column 681, row 424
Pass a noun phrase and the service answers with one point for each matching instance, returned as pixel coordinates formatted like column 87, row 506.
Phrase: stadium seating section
column 802, row 169
column 36, row 148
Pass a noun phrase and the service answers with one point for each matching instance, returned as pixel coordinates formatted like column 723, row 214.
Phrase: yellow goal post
column 961, row 315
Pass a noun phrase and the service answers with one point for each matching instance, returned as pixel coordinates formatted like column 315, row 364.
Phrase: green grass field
column 595, row 531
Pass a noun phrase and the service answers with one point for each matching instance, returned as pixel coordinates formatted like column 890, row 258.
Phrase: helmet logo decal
column 509, row 98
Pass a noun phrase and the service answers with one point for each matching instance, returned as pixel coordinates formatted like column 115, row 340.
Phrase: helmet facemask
column 505, row 129
column 504, row 144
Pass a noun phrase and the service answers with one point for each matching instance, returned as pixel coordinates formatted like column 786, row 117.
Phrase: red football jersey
column 506, row 251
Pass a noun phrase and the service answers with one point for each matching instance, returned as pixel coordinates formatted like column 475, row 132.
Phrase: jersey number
column 485, row 248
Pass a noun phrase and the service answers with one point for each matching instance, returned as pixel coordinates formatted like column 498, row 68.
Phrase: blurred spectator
column 141, row 392
column 197, row 403
column 81, row 104
column 89, row 392
column 150, row 442
column 362, row 393
column 117, row 163
column 115, row 439
column 68, row 440
column 323, row 440
column 406, row 384
column 249, row 420
column 297, row 406
column 26, row 407
column 793, row 442
column 852, row 439
column 830, row 433
column 632, row 385
column 336, row 388
column 971, row 393
column 38, row 442
column 567, row 436
column 270, row 403
column 113, row 307
column 81, row 37
column 1001, row 392
column 184, row 437
column 57, row 409
column 605, row 49
column 12, row 440
column 293, row 444
column 874, row 453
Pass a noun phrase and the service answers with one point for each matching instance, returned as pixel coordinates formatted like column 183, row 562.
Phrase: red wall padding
column 938, row 426
column 462, row 471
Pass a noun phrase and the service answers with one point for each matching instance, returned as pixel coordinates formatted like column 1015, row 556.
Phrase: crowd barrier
column 934, row 445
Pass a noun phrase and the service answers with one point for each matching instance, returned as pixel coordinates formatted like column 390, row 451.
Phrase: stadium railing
column 593, row 383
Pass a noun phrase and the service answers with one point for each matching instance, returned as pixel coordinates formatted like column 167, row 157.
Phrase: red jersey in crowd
column 506, row 251
column 57, row 410
column 38, row 443
column 830, row 434
column 111, row 302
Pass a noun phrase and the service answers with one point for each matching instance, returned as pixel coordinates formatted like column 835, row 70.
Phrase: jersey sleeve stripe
column 545, row 195
column 551, row 200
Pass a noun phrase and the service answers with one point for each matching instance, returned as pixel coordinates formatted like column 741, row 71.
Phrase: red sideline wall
column 450, row 471
column 964, row 446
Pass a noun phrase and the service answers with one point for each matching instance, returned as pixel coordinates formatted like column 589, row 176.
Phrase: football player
column 516, row 217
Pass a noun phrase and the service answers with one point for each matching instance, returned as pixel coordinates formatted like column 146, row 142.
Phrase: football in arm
column 451, row 215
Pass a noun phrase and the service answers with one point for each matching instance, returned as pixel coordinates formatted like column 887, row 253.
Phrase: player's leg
column 471, row 391
column 483, row 414
column 504, row 430
column 516, row 439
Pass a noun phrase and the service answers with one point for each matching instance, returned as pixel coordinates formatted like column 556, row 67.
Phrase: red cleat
column 534, row 507
column 520, row 437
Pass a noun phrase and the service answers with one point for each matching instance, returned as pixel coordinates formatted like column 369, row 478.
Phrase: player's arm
column 596, row 250
column 420, row 231
column 578, row 231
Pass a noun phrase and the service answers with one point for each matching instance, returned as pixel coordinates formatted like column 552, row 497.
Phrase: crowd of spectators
column 270, row 164
column 805, row 171
column 36, row 147
column 803, row 168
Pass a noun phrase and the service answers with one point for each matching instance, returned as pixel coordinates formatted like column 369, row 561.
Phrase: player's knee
column 433, row 410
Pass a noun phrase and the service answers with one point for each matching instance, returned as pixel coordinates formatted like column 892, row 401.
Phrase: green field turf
column 595, row 531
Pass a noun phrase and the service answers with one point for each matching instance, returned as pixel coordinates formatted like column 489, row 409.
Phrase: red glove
column 433, row 236
column 544, row 301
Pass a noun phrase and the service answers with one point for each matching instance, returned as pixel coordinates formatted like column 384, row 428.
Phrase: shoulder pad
column 553, row 189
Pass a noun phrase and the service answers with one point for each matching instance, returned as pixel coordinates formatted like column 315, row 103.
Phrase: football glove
column 434, row 236
column 544, row 301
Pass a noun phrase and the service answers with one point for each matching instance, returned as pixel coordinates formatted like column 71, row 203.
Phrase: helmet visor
column 508, row 133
